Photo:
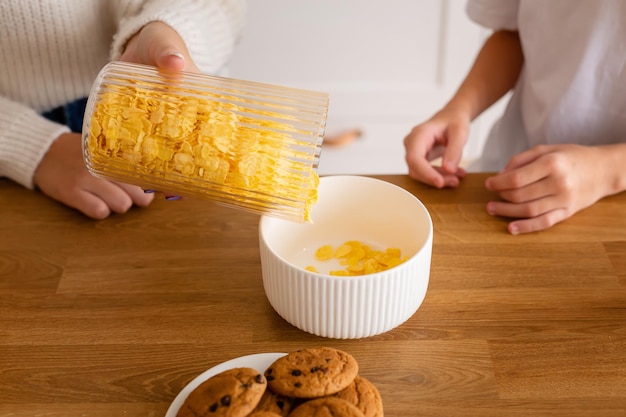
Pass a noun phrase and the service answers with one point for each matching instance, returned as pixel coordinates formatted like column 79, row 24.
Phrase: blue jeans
column 70, row 115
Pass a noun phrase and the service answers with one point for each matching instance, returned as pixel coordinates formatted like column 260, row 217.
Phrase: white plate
column 259, row 361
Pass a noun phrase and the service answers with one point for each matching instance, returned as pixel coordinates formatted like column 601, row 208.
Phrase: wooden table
column 115, row 317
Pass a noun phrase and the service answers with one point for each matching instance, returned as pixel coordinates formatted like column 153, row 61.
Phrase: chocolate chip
column 259, row 379
column 269, row 378
column 225, row 400
column 314, row 369
column 280, row 404
column 296, row 372
column 213, row 407
column 297, row 385
column 268, row 371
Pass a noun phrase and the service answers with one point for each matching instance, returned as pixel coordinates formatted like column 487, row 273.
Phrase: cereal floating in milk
column 358, row 258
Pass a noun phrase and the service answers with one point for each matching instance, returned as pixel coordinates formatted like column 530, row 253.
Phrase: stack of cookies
column 318, row 381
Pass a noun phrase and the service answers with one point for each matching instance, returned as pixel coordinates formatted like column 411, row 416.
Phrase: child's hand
column 159, row 45
column 548, row 184
column 62, row 175
column 444, row 135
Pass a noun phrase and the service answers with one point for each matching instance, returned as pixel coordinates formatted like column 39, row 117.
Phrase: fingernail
column 513, row 229
column 491, row 209
column 178, row 54
column 172, row 197
column 148, row 191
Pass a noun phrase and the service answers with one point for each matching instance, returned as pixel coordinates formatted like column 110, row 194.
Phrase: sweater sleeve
column 494, row 14
column 209, row 28
column 25, row 137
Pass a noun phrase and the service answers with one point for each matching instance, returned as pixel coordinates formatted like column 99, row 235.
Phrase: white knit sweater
column 51, row 52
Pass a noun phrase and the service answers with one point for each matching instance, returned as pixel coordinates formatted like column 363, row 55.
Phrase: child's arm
column 495, row 72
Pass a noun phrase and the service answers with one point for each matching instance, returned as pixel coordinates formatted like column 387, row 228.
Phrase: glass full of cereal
column 240, row 143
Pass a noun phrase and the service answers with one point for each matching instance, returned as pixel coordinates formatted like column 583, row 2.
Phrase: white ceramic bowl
column 369, row 210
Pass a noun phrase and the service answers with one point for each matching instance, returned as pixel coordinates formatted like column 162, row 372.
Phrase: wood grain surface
column 115, row 317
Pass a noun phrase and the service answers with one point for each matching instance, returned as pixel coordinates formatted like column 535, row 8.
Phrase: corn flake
column 324, row 253
column 358, row 258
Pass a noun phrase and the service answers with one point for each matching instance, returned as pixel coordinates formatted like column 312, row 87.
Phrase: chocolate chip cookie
column 232, row 393
column 312, row 372
column 326, row 407
column 275, row 403
column 364, row 395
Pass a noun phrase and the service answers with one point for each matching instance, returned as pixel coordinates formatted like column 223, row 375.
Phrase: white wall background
column 387, row 66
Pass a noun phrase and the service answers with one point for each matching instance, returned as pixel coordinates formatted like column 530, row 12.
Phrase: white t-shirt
column 572, row 88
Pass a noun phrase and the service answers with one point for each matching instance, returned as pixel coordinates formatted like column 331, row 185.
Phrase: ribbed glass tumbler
column 245, row 144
